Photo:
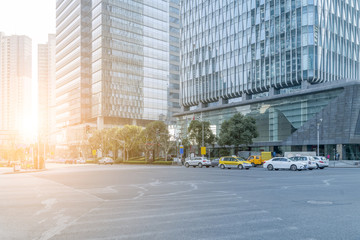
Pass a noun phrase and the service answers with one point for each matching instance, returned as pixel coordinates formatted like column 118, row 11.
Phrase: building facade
column 46, row 90
column 117, row 63
column 253, row 56
column 131, row 57
column 15, row 82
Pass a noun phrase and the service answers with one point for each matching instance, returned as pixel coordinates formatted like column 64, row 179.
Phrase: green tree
column 100, row 140
column 195, row 133
column 238, row 130
column 152, row 136
column 130, row 136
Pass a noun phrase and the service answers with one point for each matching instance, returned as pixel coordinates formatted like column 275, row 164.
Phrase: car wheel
column 270, row 167
column 200, row 165
column 293, row 167
column 213, row 166
column 247, row 168
column 322, row 168
column 240, row 166
column 317, row 166
column 276, row 169
column 187, row 165
column 310, row 168
column 194, row 166
column 222, row 166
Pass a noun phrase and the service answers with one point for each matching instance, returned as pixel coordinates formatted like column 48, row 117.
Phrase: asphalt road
column 171, row 202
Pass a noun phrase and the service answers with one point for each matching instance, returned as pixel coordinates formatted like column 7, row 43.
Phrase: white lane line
column 97, row 212
column 166, row 215
column 48, row 204
column 327, row 182
column 316, row 202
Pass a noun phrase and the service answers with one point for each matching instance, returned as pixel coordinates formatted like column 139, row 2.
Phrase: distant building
column 46, row 90
column 15, row 82
column 270, row 59
column 117, row 63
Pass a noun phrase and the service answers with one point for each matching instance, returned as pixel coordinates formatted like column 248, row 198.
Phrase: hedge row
column 144, row 162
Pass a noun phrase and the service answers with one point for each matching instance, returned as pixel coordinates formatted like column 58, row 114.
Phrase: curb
column 24, row 171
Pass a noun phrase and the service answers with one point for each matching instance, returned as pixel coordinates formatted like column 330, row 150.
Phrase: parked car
column 308, row 160
column 80, row 161
column 284, row 163
column 215, row 162
column 106, row 160
column 321, row 162
column 234, row 162
column 197, row 162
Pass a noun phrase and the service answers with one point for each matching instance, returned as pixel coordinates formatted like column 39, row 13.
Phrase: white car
column 321, row 162
column 106, row 160
column 308, row 160
column 283, row 163
column 198, row 162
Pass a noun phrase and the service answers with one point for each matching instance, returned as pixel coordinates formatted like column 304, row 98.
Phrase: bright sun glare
column 35, row 19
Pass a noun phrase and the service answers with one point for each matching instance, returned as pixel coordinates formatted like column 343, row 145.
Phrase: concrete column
column 272, row 91
column 304, row 84
column 339, row 149
column 222, row 101
column 202, row 105
column 100, row 123
column 246, row 96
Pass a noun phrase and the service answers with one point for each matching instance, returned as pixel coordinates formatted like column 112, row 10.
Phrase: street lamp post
column 318, row 137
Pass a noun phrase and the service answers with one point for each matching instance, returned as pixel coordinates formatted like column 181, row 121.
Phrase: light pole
column 318, row 137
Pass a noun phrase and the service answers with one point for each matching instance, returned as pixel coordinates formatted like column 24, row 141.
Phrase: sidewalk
column 10, row 170
column 344, row 164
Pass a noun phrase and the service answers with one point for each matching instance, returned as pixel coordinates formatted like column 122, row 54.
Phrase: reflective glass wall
column 236, row 47
column 135, row 61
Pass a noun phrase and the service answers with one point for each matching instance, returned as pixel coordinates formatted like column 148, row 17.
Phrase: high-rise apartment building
column 15, row 82
column 117, row 62
column 245, row 56
column 46, row 89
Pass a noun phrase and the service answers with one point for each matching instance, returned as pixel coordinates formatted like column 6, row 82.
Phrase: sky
column 33, row 18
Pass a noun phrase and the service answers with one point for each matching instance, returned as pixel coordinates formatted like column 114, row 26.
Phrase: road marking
column 49, row 203
column 327, row 182
column 319, row 202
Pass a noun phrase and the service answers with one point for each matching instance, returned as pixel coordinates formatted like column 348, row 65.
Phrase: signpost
column 203, row 150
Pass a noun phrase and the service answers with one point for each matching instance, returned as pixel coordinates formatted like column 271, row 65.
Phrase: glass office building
column 262, row 58
column 131, row 56
column 117, row 63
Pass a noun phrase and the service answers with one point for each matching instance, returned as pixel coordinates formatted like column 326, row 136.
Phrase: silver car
column 308, row 160
column 106, row 160
column 198, row 162
column 321, row 162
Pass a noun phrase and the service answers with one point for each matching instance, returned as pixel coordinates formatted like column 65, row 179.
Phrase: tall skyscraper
column 232, row 48
column 46, row 89
column 262, row 58
column 130, row 61
column 117, row 62
column 15, row 82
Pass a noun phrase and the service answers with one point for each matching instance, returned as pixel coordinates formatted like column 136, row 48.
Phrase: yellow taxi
column 234, row 162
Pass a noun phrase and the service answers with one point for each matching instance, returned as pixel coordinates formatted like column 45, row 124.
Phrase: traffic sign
column 181, row 149
column 203, row 150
